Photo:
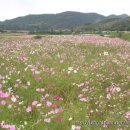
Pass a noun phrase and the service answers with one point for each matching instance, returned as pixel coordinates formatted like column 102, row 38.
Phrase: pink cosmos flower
column 84, row 99
column 48, row 103
column 108, row 96
column 3, row 102
column 57, row 98
column 47, row 120
column 34, row 103
column 118, row 89
column 3, row 95
column 58, row 118
column 84, row 90
column 33, row 68
column 127, row 115
column 54, row 105
column 80, row 85
column 80, row 95
column 12, row 127
column 58, row 110
column 38, row 78
column 28, row 109
column 7, row 126
column 37, row 72
column 38, row 90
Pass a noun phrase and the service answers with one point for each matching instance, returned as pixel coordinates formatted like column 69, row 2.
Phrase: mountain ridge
column 60, row 21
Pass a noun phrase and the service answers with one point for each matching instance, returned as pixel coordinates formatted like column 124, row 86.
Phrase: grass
column 74, row 77
column 122, row 35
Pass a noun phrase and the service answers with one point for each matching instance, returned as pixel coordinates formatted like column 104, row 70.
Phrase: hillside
column 66, row 20
column 114, row 24
column 112, row 16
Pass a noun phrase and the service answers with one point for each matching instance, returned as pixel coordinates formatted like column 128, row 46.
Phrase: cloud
column 13, row 8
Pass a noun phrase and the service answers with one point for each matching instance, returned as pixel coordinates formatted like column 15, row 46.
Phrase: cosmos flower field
column 73, row 82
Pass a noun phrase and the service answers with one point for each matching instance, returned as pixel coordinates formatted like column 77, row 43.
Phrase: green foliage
column 120, row 34
column 38, row 37
column 108, row 25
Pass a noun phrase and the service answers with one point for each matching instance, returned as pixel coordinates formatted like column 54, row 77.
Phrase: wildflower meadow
column 64, row 82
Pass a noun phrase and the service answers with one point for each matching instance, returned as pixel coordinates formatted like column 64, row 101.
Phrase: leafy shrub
column 38, row 37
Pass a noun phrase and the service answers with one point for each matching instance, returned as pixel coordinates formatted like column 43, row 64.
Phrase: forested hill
column 60, row 21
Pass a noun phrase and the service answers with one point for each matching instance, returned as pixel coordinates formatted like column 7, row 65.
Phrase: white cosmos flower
column 70, row 119
column 106, row 53
column 73, row 127
column 70, row 68
column 13, row 98
column 75, row 71
column 38, row 105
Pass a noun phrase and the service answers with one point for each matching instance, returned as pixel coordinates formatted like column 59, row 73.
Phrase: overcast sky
column 14, row 8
